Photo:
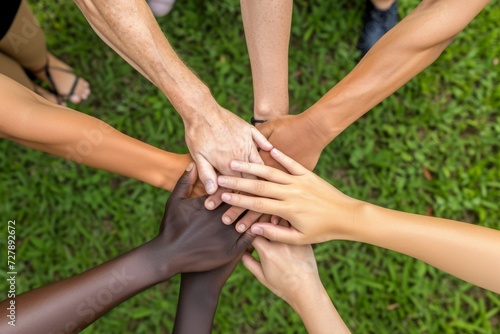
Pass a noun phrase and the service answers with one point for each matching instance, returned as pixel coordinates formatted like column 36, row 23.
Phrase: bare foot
column 63, row 78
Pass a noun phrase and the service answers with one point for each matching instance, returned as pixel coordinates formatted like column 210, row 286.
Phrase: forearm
column 467, row 251
column 129, row 27
column 267, row 32
column 76, row 302
column 406, row 50
column 32, row 122
column 196, row 301
column 318, row 312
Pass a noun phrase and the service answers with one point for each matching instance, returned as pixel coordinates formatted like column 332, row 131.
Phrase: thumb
column 185, row 183
column 207, row 174
column 287, row 235
column 253, row 266
column 244, row 241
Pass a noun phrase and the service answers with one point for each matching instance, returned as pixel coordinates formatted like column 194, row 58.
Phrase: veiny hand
column 317, row 211
column 195, row 238
column 289, row 271
column 219, row 138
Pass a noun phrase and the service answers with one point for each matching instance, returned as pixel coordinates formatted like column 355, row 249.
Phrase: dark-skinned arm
column 191, row 239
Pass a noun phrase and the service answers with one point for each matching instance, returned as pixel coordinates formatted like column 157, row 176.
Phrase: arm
column 406, row 50
column 213, row 134
column 267, row 32
column 199, row 297
column 203, row 244
column 291, row 273
column 36, row 123
column 467, row 251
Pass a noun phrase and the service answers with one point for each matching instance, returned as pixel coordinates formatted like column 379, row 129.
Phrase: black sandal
column 60, row 97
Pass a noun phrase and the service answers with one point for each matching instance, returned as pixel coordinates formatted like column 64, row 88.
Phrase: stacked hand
column 194, row 238
column 297, row 137
column 298, row 195
column 219, row 138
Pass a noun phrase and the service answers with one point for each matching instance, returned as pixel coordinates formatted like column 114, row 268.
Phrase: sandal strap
column 47, row 68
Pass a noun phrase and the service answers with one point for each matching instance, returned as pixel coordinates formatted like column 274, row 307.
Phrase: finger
column 207, row 174
column 244, row 241
column 256, row 187
column 284, row 223
column 261, row 140
column 287, row 235
column 247, row 220
column 213, row 201
column 291, row 165
column 260, row 244
column 232, row 214
column 275, row 220
column 253, row 266
column 257, row 204
column 262, row 171
column 185, row 183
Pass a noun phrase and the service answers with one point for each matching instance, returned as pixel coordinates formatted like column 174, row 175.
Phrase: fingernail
column 226, row 220
column 225, row 197
column 235, row 165
column 275, row 152
column 257, row 230
column 190, row 167
column 210, row 205
column 210, row 187
column 241, row 228
column 222, row 180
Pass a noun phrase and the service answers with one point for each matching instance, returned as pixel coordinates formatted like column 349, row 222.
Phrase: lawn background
column 431, row 148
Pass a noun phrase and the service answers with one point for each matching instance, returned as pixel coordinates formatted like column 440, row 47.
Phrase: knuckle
column 258, row 205
column 259, row 187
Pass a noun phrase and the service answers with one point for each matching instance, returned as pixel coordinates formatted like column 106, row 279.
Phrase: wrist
column 271, row 109
column 160, row 260
column 311, row 295
column 196, row 106
column 360, row 229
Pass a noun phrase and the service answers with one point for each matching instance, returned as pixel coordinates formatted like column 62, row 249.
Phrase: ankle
column 383, row 4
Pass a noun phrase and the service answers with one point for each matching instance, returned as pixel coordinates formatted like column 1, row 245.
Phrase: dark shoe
column 376, row 23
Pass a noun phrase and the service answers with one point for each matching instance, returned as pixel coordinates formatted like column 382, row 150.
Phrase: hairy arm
column 214, row 135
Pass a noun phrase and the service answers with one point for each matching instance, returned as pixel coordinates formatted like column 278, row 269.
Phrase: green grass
column 444, row 122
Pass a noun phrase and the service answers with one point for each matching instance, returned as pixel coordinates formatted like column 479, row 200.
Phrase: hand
column 220, row 138
column 292, row 274
column 193, row 238
column 317, row 211
column 289, row 271
column 296, row 136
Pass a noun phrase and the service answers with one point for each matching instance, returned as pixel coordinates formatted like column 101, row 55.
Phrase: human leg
column 25, row 43
column 379, row 17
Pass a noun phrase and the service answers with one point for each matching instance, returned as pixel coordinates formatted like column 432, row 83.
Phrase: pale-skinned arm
column 214, row 135
column 318, row 212
column 267, row 33
column 290, row 272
